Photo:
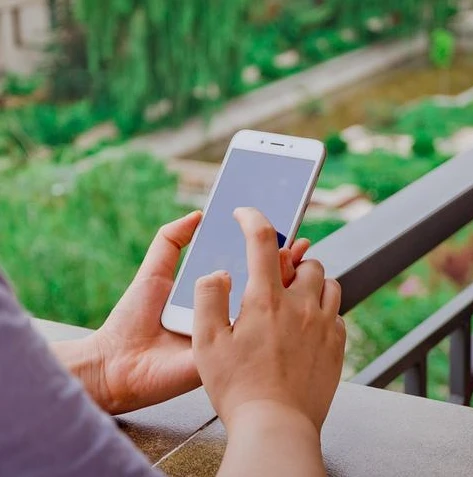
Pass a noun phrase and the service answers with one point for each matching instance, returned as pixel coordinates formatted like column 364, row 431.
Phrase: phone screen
column 271, row 183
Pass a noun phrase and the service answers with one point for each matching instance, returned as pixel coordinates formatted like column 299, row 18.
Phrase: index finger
column 262, row 250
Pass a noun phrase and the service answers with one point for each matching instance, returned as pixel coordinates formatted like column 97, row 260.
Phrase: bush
column 324, row 45
column 71, row 246
column 56, row 125
column 442, row 48
column 335, row 144
column 433, row 119
column 17, row 85
column 382, row 174
column 424, row 145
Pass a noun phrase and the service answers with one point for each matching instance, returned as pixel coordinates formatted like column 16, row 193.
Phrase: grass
column 432, row 119
column 335, row 173
column 71, row 244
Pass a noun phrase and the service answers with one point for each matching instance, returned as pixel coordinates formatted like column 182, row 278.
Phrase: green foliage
column 442, row 48
column 18, row 85
column 56, row 125
column 424, row 145
column 316, row 230
column 385, row 317
column 152, row 50
column 148, row 50
column 72, row 242
column 382, row 174
column 321, row 45
column 335, row 144
column 302, row 17
column 432, row 119
column 15, row 145
column 335, row 173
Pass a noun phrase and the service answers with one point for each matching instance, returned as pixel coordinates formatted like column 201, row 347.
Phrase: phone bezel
column 180, row 319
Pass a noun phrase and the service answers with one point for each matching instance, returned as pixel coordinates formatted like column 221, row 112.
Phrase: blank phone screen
column 273, row 184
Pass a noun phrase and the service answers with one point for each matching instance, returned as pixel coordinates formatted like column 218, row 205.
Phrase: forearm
column 83, row 359
column 267, row 438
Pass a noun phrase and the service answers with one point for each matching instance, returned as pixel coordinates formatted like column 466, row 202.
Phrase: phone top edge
column 278, row 144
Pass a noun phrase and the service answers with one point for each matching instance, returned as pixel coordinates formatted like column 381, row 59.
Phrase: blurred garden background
column 92, row 95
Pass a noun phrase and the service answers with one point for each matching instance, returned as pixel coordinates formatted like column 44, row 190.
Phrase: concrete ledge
column 369, row 432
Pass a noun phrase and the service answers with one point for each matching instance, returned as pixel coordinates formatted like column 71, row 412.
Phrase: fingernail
column 306, row 241
column 221, row 273
column 237, row 210
column 194, row 212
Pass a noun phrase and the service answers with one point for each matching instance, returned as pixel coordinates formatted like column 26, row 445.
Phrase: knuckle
column 335, row 284
column 165, row 234
column 162, row 231
column 333, row 287
column 265, row 233
column 266, row 302
column 316, row 267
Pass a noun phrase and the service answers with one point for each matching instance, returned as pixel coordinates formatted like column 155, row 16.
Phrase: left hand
column 139, row 363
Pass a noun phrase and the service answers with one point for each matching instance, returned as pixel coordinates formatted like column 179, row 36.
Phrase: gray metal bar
column 366, row 254
column 415, row 345
column 415, row 379
column 460, row 363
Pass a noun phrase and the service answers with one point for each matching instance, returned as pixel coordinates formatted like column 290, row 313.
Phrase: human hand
column 286, row 348
column 132, row 361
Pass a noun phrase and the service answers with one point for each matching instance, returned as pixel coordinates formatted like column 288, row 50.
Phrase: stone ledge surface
column 369, row 432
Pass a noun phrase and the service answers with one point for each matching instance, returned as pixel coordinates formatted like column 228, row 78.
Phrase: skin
column 272, row 376
column 272, row 394
column 132, row 361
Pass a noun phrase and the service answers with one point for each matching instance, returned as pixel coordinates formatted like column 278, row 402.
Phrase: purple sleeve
column 48, row 424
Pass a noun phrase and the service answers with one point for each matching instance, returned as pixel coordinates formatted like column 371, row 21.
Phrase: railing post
column 460, row 363
column 415, row 379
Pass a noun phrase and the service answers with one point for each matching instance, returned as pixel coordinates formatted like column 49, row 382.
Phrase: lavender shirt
column 49, row 426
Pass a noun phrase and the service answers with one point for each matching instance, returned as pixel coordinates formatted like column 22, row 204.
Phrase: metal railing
column 366, row 254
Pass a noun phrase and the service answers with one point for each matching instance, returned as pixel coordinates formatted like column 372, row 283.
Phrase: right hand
column 287, row 346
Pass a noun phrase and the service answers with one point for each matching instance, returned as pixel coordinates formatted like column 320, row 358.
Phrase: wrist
column 271, row 415
column 270, row 438
column 84, row 359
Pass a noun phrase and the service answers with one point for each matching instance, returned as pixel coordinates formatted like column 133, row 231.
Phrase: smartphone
column 275, row 174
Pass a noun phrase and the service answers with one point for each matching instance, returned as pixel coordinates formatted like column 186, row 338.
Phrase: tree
column 191, row 52
column 143, row 51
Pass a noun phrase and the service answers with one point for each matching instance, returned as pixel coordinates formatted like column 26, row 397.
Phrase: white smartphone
column 275, row 174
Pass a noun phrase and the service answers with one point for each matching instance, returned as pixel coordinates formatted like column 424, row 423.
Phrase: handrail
column 453, row 319
column 366, row 254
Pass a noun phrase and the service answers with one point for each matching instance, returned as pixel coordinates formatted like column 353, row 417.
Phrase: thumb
column 211, row 307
